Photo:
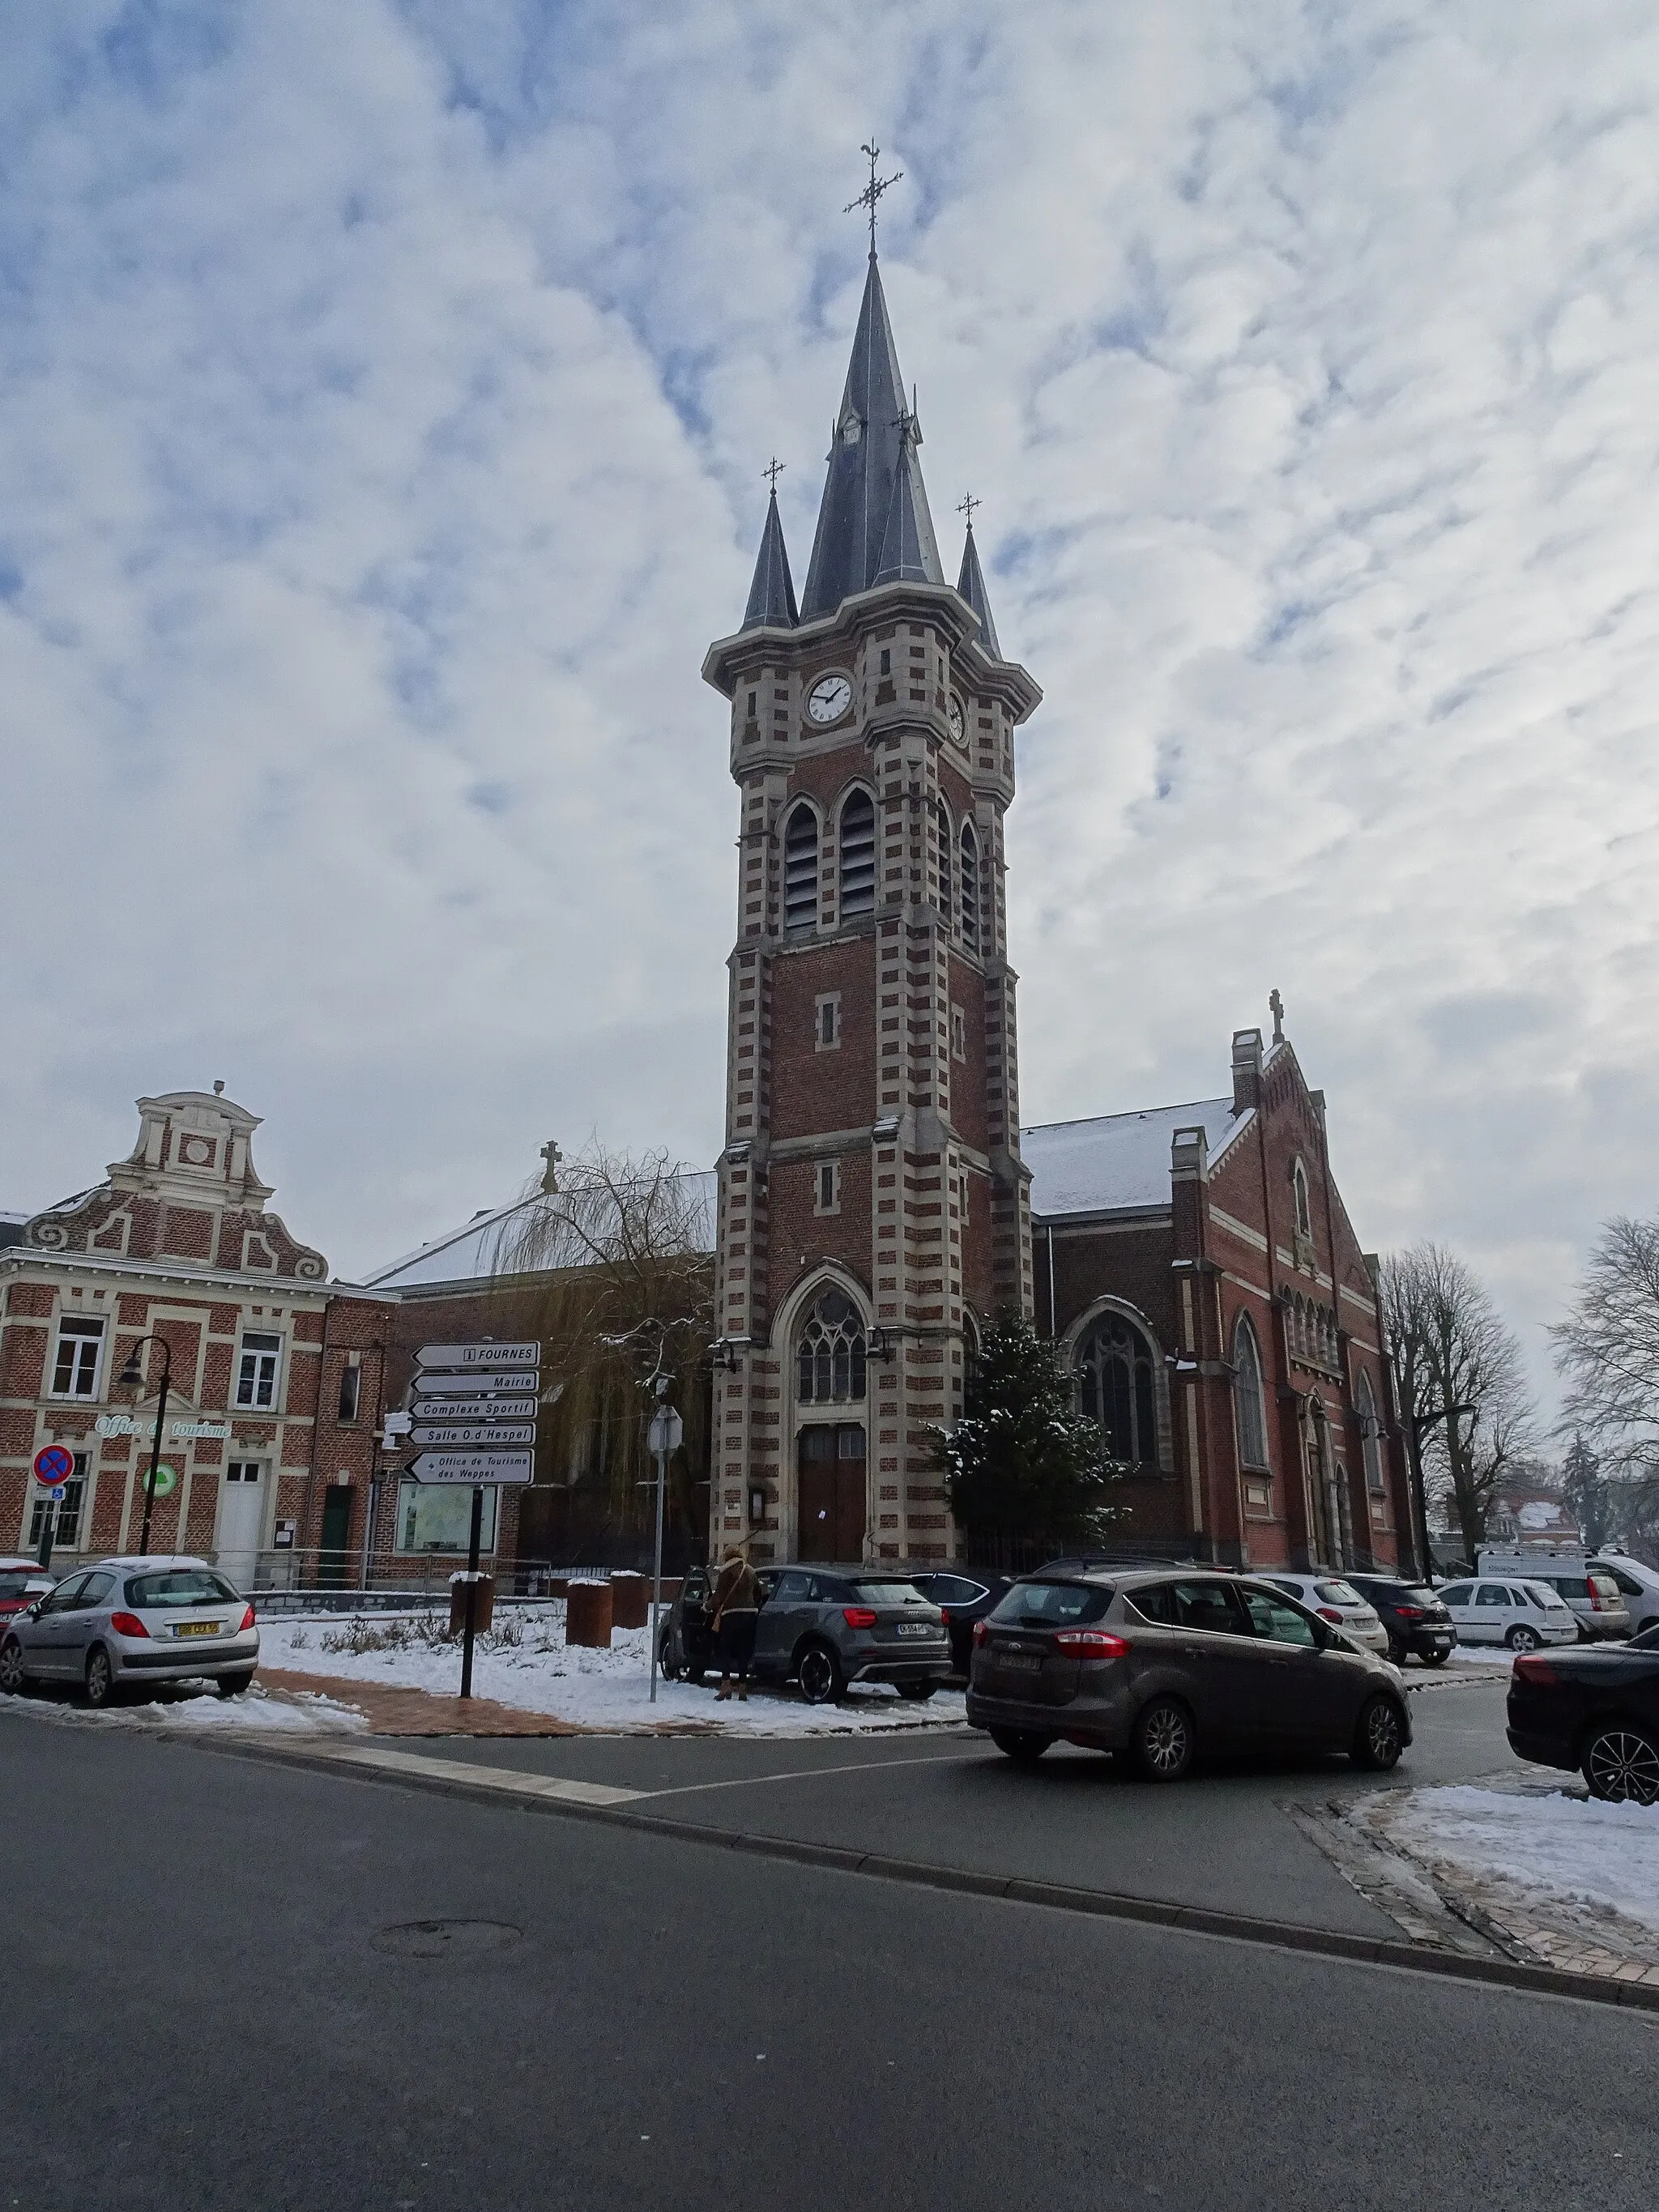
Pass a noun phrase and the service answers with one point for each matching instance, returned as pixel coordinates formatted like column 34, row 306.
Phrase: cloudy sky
column 384, row 390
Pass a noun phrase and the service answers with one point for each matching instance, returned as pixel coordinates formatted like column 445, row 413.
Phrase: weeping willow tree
column 610, row 1265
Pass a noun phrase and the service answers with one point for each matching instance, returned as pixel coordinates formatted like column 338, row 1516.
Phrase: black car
column 1595, row 1707
column 685, row 1645
column 963, row 1598
column 1166, row 1666
column 1415, row 1618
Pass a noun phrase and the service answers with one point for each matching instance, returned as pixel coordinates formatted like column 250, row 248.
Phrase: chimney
column 1189, row 1156
column 1247, row 1070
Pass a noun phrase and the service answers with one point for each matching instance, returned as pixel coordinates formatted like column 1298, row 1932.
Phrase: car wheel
column 1436, row 1658
column 1620, row 1763
column 1379, row 1736
column 1164, row 1741
column 1523, row 1638
column 669, row 1667
column 1397, row 1651
column 1023, row 1746
column 820, row 1676
column 918, row 1693
column 13, row 1680
column 232, row 1686
column 100, row 1686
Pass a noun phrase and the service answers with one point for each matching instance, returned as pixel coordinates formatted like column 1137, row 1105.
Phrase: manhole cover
column 446, row 1939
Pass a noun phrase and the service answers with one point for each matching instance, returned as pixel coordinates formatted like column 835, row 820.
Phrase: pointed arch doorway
column 831, row 1460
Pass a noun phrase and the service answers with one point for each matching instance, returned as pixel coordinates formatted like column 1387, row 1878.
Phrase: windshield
column 1052, row 1605
column 889, row 1594
column 1339, row 1593
column 1647, row 1641
column 18, row 1584
column 179, row 1586
column 1547, row 1597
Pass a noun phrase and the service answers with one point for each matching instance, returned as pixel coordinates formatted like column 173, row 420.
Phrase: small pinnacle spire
column 772, row 595
column 971, row 582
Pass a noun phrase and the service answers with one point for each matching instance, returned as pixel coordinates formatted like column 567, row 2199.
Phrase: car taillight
column 1330, row 1613
column 1536, row 1670
column 127, row 1624
column 1091, row 1643
column 1409, row 1611
column 945, row 1614
column 1594, row 1597
column 982, row 1630
column 858, row 1616
column 247, row 1621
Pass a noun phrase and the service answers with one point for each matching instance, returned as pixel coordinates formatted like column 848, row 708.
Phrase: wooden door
column 829, row 1492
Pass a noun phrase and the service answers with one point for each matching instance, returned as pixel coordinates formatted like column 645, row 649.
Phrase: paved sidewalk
column 394, row 1712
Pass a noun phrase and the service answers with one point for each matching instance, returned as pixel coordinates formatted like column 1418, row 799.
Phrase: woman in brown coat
column 737, row 1607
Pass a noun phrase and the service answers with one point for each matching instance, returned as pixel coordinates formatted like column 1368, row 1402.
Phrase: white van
column 1591, row 1589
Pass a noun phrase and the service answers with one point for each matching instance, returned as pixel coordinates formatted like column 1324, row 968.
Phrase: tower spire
column 971, row 582
column 772, row 595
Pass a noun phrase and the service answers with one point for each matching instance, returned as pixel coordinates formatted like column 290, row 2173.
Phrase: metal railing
column 315, row 1581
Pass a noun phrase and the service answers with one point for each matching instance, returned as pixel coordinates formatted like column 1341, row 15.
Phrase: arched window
column 969, row 879
column 1114, row 1382
column 1299, row 1192
column 1248, row 1401
column 942, row 821
column 1370, row 1433
column 832, row 1352
column 858, row 855
column 800, row 869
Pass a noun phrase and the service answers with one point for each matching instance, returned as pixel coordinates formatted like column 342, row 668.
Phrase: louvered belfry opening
column 800, row 870
column 970, row 882
column 857, row 856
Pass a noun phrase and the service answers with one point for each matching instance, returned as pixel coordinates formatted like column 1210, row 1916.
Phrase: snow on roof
column 484, row 1244
column 1118, row 1160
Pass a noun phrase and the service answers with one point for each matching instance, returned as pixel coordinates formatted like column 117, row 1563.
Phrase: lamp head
column 131, row 1376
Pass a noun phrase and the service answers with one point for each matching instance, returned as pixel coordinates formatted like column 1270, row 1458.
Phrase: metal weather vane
column 872, row 191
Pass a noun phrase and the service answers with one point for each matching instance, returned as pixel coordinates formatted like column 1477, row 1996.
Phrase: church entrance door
column 830, row 1491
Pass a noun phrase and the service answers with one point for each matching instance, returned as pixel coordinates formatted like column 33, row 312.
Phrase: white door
column 241, row 1521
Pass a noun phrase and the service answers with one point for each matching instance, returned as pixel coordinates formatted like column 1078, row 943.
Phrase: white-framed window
column 74, row 1365
column 71, row 1510
column 826, row 1022
column 826, row 1194
column 858, row 855
column 1250, row 1401
column 257, row 1366
column 800, row 868
column 244, row 1471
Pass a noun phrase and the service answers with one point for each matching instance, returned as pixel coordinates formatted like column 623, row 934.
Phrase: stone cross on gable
column 552, row 1155
column 1276, row 1008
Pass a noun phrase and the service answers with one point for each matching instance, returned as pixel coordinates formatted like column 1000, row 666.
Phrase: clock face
column 959, row 720
column 829, row 698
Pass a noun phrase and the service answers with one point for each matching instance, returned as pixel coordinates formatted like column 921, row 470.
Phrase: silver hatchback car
column 126, row 1624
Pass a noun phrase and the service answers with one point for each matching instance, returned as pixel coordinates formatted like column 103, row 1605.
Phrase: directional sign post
column 473, row 1413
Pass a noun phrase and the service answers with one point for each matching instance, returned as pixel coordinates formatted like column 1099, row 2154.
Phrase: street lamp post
column 132, row 1378
column 1416, row 1424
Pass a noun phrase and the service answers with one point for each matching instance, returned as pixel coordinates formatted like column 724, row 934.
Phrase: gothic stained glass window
column 1247, row 1397
column 832, row 1352
column 1371, row 1431
column 1114, row 1384
column 1299, row 1192
column 800, row 869
column 857, row 856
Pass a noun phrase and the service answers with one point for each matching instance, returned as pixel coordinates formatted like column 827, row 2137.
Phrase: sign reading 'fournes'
column 479, row 1355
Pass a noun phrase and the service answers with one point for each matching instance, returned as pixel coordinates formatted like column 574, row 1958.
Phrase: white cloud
column 385, row 391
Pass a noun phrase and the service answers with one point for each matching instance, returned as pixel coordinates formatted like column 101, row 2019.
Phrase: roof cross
column 552, row 1155
column 1276, row 1008
column 774, row 472
column 872, row 191
column 966, row 505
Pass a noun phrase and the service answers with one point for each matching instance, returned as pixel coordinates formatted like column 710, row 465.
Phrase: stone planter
column 631, row 1600
column 587, row 1614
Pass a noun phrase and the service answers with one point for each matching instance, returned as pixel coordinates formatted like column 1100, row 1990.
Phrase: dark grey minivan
column 1165, row 1665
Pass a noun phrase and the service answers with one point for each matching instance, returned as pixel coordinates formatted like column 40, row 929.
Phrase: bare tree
column 1462, row 1382
column 611, row 1264
column 1607, row 1352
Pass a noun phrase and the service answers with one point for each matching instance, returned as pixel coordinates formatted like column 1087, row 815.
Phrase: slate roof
column 772, row 595
column 875, row 432
column 972, row 584
column 1118, row 1161
column 475, row 1251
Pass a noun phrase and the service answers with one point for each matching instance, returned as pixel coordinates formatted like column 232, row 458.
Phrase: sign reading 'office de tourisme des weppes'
column 474, row 1412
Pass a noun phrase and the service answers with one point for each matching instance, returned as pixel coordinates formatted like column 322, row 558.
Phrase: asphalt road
column 204, row 2009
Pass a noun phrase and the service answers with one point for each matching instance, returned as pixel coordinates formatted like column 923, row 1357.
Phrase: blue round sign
column 53, row 1466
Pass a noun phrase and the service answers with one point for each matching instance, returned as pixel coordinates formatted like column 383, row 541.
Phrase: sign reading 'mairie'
column 479, row 1355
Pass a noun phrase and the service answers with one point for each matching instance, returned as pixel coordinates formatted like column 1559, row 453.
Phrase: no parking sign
column 53, row 1467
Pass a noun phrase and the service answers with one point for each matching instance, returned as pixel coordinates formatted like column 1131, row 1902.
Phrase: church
column 878, row 1201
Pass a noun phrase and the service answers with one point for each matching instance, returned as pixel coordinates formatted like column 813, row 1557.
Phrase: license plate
column 915, row 1628
column 1027, row 1663
column 197, row 1627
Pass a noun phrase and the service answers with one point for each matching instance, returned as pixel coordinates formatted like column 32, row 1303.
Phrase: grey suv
column 824, row 1627
column 1164, row 1664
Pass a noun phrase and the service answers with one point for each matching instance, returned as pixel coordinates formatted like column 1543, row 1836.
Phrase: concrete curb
column 534, row 1795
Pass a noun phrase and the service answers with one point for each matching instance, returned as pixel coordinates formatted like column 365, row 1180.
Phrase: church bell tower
column 873, row 1209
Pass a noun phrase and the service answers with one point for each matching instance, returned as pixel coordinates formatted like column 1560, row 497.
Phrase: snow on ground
column 540, row 1674
column 1557, row 1848
column 203, row 1711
